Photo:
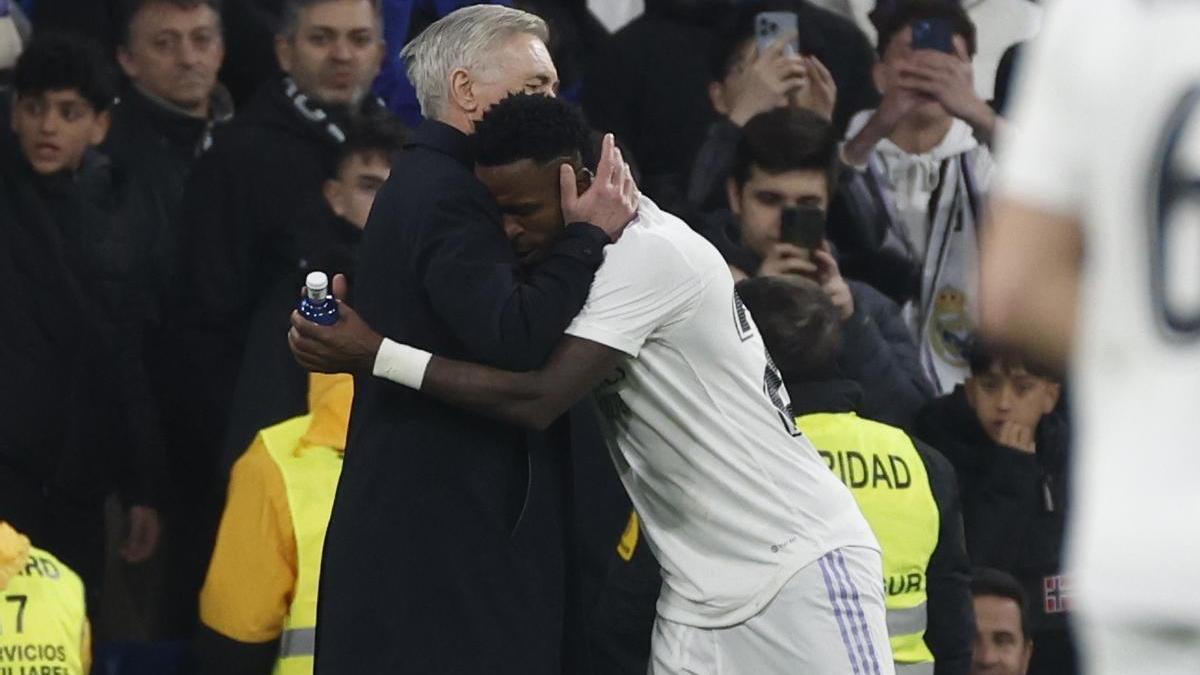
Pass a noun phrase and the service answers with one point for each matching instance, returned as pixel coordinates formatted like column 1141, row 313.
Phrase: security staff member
column 43, row 617
column 905, row 489
column 259, row 602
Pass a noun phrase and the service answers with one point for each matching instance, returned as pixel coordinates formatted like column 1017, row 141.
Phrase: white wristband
column 401, row 364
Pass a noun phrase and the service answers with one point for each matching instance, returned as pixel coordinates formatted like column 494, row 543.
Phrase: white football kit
column 1107, row 129
column 756, row 537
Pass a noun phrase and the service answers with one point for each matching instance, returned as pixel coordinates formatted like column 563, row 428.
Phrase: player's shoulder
column 661, row 239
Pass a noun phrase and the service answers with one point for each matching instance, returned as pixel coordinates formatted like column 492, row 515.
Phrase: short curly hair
column 63, row 61
column 531, row 126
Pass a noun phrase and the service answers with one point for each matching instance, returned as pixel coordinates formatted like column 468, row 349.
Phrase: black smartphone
column 802, row 226
column 935, row 34
column 770, row 26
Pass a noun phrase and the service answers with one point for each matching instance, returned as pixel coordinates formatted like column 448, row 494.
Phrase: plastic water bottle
column 318, row 305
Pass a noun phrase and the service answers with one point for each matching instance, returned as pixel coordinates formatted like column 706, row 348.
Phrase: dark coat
column 74, row 392
column 445, row 548
column 1014, row 503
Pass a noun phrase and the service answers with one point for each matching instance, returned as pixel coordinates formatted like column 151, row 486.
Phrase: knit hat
column 14, row 552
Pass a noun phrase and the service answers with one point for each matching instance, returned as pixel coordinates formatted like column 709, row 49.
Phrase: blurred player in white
column 1092, row 261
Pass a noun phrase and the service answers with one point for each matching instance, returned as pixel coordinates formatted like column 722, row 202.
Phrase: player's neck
column 918, row 136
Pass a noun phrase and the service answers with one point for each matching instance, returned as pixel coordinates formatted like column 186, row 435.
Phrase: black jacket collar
column 445, row 139
column 179, row 129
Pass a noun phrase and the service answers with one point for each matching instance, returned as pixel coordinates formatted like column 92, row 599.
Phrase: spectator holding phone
column 761, row 60
column 785, row 165
column 921, row 166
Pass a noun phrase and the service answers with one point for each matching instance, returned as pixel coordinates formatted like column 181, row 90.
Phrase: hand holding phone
column 802, row 226
column 770, row 27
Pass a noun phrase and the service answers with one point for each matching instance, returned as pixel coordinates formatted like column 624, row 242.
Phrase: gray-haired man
column 444, row 551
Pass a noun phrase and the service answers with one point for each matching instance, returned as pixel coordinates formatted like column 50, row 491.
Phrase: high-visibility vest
column 43, row 619
column 880, row 465
column 310, row 478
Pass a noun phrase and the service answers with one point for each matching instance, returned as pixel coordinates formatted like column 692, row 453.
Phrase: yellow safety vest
column 310, row 478
column 880, row 465
column 43, row 620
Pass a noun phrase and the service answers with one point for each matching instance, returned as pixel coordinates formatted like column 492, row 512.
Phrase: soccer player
column 1104, row 160
column 768, row 565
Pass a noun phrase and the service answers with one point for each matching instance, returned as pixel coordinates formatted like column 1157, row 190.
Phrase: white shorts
column 829, row 619
column 1123, row 648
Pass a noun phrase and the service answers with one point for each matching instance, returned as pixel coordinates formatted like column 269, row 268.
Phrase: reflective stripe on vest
column 883, row 470
column 43, row 618
column 925, row 668
column 310, row 477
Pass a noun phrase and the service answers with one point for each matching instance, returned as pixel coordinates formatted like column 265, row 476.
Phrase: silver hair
column 462, row 39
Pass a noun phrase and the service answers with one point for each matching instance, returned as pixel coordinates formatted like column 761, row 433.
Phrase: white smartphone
column 770, row 26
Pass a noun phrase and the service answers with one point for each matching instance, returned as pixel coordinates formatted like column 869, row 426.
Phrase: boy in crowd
column 785, row 159
column 906, row 489
column 1003, row 644
column 921, row 165
column 75, row 393
column 1009, row 447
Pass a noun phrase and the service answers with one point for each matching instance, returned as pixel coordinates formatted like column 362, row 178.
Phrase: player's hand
column 829, row 276
column 1018, row 437
column 818, row 91
column 784, row 258
column 144, row 532
column 763, row 81
column 348, row 346
column 610, row 202
column 948, row 79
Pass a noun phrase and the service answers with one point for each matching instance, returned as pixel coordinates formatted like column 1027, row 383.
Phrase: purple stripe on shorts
column 837, row 613
column 862, row 616
column 857, row 637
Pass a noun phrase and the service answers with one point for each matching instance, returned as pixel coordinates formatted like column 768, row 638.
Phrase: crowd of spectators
column 170, row 171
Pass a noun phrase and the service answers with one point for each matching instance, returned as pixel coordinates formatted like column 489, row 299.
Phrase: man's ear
column 716, row 95
column 733, row 192
column 100, row 127
column 284, row 53
column 462, row 91
column 1053, row 393
column 879, row 76
column 128, row 65
column 969, row 389
column 332, row 190
column 583, row 179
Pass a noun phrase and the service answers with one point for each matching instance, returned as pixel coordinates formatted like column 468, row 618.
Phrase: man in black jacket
column 784, row 159
column 444, row 552
column 801, row 329
column 1009, row 446
column 75, row 393
column 241, row 212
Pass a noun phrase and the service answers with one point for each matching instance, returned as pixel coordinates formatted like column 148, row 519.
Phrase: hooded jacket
column 909, row 226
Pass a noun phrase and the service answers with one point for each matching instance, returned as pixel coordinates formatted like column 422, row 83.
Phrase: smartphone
column 936, row 34
column 770, row 26
column 802, row 226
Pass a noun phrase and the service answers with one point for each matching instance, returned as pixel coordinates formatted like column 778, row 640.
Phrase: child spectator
column 921, row 165
column 1009, row 447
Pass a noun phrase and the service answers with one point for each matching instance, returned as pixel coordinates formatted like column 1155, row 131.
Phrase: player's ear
column 583, row 179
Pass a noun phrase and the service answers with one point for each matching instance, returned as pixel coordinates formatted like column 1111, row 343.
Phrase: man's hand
column 348, row 346
column 829, row 276
column 786, row 258
column 818, row 91
column 144, row 531
column 612, row 199
column 897, row 103
column 950, row 81
column 1018, row 437
column 764, row 81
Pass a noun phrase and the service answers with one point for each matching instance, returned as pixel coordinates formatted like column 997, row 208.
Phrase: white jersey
column 733, row 498
column 1107, row 129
